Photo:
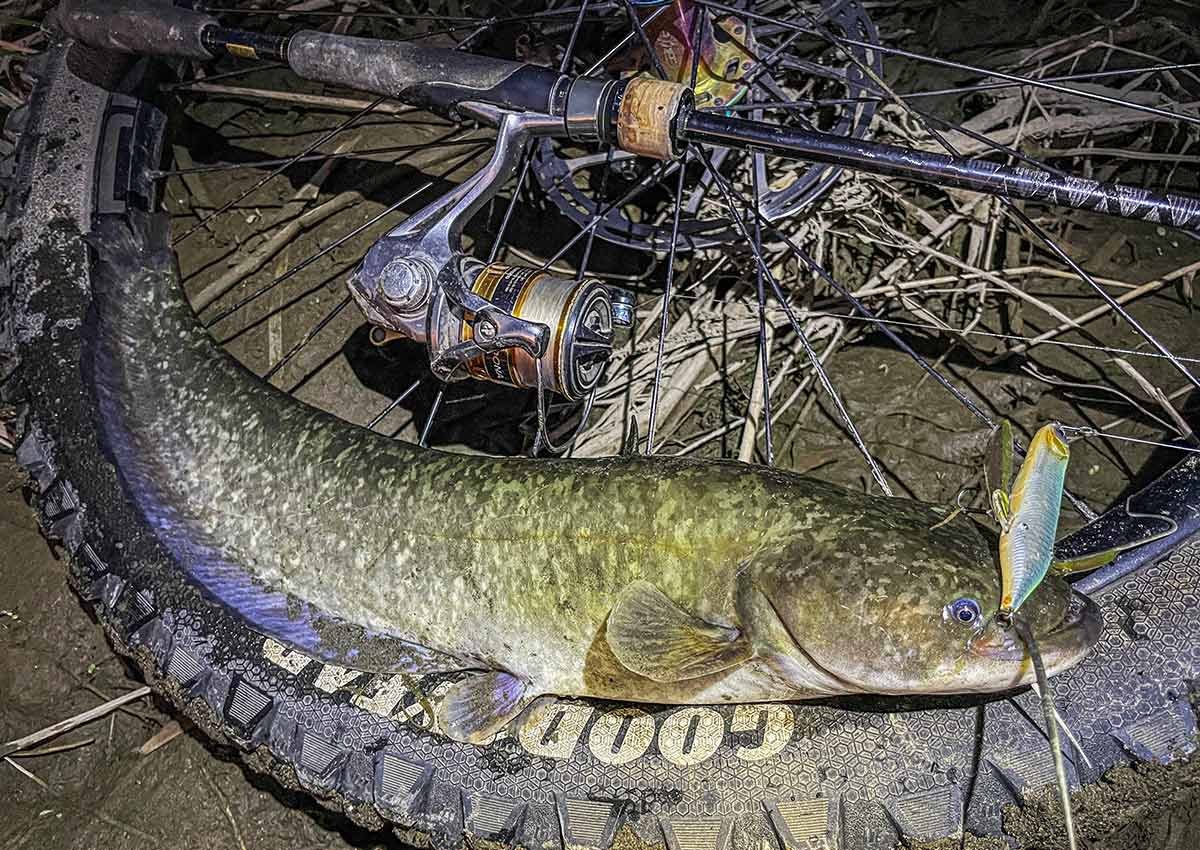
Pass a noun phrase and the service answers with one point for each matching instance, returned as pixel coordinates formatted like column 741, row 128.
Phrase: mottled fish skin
column 1027, row 542
column 515, row 564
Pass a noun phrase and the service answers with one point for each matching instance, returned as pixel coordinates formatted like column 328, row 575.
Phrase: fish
column 643, row 579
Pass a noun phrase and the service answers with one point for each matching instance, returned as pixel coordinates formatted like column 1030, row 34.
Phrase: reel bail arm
column 517, row 326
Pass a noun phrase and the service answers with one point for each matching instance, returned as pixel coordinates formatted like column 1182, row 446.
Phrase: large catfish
column 644, row 579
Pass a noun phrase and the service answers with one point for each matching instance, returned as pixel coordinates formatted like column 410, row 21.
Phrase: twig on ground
column 70, row 723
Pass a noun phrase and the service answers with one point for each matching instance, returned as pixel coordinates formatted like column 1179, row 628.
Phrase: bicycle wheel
column 585, row 772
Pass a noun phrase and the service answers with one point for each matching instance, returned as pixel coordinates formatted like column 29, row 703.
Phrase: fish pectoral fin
column 480, row 705
column 1084, row 563
column 653, row 637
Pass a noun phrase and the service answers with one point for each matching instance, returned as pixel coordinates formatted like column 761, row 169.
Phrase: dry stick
column 162, row 737
column 309, row 191
column 1159, row 397
column 834, row 341
column 992, row 278
column 194, row 182
column 275, row 316
column 270, row 247
column 606, row 435
column 72, row 722
column 283, row 236
column 125, row 709
column 1121, row 420
column 1071, row 324
column 893, row 268
column 51, row 750
column 757, row 396
column 28, row 774
column 1013, row 271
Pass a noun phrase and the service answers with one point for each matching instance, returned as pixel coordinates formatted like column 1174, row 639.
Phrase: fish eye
column 964, row 610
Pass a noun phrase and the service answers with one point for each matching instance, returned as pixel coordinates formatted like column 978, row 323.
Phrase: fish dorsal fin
column 629, row 444
column 480, row 705
column 652, row 636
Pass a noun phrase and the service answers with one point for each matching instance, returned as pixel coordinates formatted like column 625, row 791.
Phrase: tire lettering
column 777, row 727
column 621, row 735
column 691, row 736
column 553, row 730
column 281, row 656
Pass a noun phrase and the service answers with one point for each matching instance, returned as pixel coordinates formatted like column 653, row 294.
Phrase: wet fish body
column 643, row 579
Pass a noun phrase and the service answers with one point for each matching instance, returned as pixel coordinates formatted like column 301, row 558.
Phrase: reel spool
column 576, row 319
column 579, row 315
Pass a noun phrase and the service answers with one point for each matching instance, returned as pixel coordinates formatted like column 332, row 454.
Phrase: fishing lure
column 1028, row 514
column 1027, row 511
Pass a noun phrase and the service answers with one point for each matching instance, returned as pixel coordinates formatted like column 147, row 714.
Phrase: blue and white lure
column 1027, row 512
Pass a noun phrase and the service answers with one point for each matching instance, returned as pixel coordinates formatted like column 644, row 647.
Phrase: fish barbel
column 662, row 580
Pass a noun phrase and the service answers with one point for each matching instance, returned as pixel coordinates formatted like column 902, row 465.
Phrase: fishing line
column 1105, row 436
column 1127, row 352
column 1046, row 697
column 542, row 437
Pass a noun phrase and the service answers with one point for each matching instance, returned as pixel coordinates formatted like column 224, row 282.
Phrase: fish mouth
column 1061, row 647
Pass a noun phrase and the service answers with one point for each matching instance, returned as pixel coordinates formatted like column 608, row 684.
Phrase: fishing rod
column 649, row 117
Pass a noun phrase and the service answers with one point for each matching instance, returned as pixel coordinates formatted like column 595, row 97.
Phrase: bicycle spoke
column 498, row 241
column 345, row 125
column 799, row 71
column 1019, row 215
column 224, row 75
column 314, row 157
column 305, row 263
column 758, row 178
column 1112, row 302
column 392, row 405
column 624, row 42
column 652, row 420
column 658, row 172
column 1047, row 240
column 433, row 412
column 955, row 90
column 845, row 41
column 732, row 205
column 308, row 337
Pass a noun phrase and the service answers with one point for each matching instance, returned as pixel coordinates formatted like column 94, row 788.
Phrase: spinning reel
column 517, row 326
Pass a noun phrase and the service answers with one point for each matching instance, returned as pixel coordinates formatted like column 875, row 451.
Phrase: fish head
column 1064, row 623
column 916, row 615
